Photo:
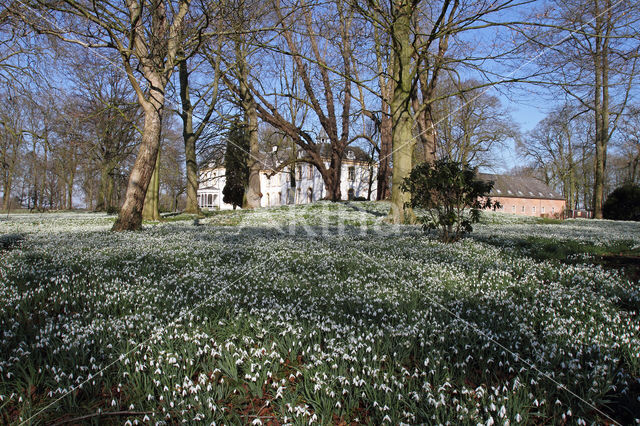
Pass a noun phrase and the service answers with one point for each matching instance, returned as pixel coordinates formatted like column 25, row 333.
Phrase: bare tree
column 553, row 147
column 12, row 143
column 470, row 124
column 592, row 52
column 420, row 36
column 316, row 81
column 628, row 146
column 111, row 118
column 146, row 36
column 198, row 62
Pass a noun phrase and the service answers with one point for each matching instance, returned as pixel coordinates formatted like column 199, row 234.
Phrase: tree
column 172, row 177
column 199, row 91
column 146, row 36
column 628, row 146
column 12, row 143
column 111, row 117
column 420, row 35
column 235, row 163
column 623, row 203
column 446, row 189
column 470, row 123
column 553, row 146
column 592, row 51
column 314, row 53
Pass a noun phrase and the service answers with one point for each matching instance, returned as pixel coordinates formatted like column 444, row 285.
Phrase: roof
column 520, row 187
column 272, row 159
column 354, row 153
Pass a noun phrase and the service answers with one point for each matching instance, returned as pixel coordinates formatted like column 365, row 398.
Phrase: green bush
column 452, row 195
column 623, row 203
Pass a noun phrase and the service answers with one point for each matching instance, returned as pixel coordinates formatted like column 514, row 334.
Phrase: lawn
column 320, row 313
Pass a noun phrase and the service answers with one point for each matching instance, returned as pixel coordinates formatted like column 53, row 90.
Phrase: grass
column 324, row 314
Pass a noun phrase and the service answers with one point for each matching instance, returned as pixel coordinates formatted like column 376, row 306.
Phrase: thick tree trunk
column 130, row 217
column 426, row 131
column 402, row 137
column 331, row 177
column 601, row 106
column 189, row 137
column 150, row 210
column 252, row 193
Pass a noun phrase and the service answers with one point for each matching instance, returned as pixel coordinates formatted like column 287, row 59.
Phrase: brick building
column 525, row 196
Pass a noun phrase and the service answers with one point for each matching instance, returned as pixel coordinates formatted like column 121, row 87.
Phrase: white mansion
column 358, row 179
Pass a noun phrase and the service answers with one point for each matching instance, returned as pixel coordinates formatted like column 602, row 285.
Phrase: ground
column 320, row 313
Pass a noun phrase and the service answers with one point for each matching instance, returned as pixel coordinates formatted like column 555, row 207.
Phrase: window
column 522, row 209
column 310, row 171
column 352, row 174
column 299, row 174
column 553, row 209
column 513, row 208
column 542, row 209
column 351, row 194
column 533, row 209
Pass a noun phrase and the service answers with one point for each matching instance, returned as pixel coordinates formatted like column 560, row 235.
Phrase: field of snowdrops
column 320, row 314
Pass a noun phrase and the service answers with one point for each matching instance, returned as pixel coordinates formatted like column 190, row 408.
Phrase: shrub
column 452, row 195
column 113, row 210
column 8, row 241
column 623, row 203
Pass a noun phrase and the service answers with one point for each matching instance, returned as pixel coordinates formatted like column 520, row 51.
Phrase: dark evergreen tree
column 236, row 164
column 623, row 203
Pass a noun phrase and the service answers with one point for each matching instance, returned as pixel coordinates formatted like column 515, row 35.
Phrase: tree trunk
column 385, row 153
column 130, row 217
column 335, row 171
column 43, row 181
column 150, row 210
column 252, row 193
column 70, row 192
column 90, row 197
column 426, row 130
column 101, row 205
column 402, row 138
column 7, row 193
column 601, row 106
column 189, row 142
column 192, row 175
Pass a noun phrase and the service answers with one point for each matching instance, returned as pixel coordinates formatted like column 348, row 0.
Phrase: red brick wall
column 551, row 207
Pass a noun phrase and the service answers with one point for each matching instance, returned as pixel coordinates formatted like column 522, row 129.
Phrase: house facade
column 525, row 196
column 358, row 180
